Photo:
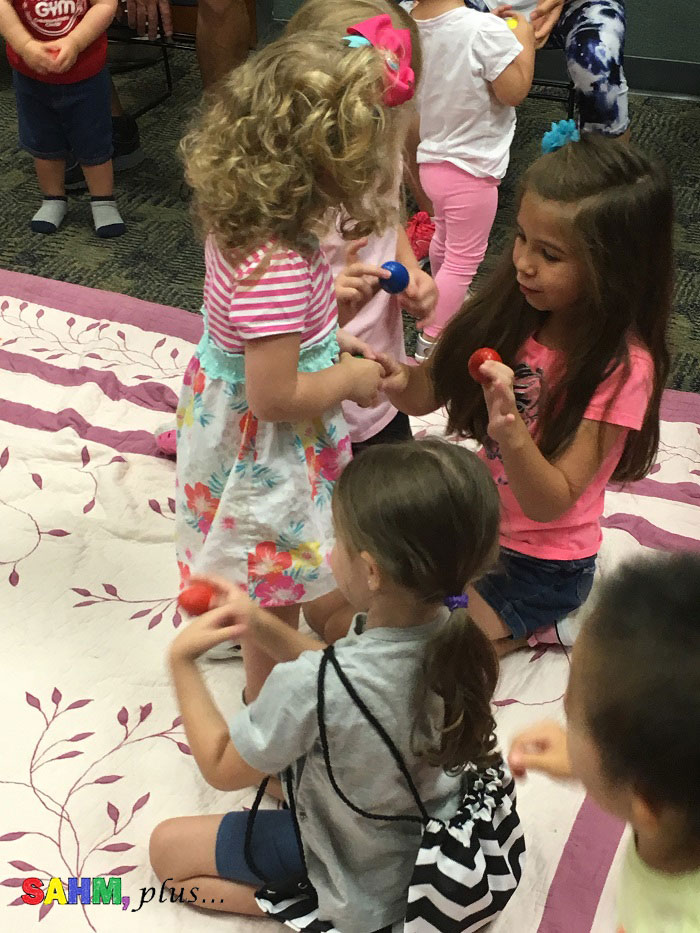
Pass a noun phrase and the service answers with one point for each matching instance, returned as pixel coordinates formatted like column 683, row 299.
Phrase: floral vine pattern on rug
column 75, row 855
column 159, row 607
column 72, row 340
column 30, row 527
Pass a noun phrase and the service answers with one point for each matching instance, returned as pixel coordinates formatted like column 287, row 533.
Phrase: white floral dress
column 254, row 497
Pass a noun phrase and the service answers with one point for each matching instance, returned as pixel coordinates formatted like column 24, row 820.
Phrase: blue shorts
column 530, row 593
column 57, row 120
column 274, row 847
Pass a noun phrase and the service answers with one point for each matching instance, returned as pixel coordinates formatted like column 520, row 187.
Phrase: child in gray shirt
column 417, row 662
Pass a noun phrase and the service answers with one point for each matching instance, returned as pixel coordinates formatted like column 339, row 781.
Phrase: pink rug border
column 99, row 304
column 177, row 322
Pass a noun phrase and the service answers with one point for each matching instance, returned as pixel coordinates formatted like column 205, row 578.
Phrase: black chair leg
column 169, row 85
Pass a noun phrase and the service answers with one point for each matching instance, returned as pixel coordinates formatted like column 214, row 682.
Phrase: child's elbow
column 545, row 512
column 514, row 95
column 268, row 412
column 270, row 407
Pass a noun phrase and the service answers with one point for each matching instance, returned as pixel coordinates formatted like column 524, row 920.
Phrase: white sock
column 50, row 215
column 107, row 219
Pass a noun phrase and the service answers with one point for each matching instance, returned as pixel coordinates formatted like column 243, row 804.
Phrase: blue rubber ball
column 399, row 277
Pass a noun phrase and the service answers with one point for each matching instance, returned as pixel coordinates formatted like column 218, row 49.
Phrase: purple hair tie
column 456, row 602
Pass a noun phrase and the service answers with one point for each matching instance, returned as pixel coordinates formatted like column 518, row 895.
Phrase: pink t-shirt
column 378, row 323
column 274, row 291
column 575, row 534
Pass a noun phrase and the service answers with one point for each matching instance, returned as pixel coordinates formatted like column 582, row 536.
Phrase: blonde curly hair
column 296, row 131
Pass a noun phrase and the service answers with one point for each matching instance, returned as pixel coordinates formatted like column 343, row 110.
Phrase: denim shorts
column 274, row 847
column 530, row 593
column 57, row 120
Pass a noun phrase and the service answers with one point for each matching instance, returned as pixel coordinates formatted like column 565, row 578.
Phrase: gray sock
column 108, row 221
column 50, row 215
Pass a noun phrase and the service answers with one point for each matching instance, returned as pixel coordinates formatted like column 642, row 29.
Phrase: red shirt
column 54, row 19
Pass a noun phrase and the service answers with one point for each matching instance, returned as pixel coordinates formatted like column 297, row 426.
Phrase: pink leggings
column 465, row 207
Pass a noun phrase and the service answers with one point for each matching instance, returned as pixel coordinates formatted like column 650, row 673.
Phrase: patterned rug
column 88, row 576
column 160, row 259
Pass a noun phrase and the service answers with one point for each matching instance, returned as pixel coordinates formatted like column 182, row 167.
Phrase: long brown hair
column 428, row 512
column 622, row 228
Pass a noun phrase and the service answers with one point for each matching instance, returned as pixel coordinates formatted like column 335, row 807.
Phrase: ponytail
column 461, row 667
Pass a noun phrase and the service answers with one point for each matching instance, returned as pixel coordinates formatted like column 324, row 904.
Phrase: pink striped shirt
column 290, row 295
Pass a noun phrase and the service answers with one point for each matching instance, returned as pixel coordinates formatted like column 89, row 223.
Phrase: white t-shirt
column 461, row 121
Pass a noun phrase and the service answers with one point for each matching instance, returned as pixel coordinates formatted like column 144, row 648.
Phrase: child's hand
column 420, row 297
column 544, row 18
column 395, row 378
column 358, row 282
column 349, row 343
column 230, row 619
column 523, row 32
column 500, row 399
column 68, row 51
column 365, row 376
column 541, row 748
column 38, row 56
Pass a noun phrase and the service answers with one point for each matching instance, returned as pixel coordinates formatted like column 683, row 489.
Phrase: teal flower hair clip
column 561, row 133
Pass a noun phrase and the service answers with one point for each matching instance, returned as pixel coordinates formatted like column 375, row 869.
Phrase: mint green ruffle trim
column 218, row 364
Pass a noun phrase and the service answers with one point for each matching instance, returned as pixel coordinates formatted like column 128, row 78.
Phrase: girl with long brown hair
column 414, row 658
column 578, row 309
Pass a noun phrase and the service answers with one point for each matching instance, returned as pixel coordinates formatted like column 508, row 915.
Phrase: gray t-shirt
column 360, row 868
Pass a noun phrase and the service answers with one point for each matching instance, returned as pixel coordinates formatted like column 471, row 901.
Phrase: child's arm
column 421, row 295
column 92, row 25
column 276, row 391
column 279, row 640
column 541, row 748
column 513, row 84
column 35, row 53
column 408, row 388
column 544, row 490
column 357, row 283
column 411, row 174
column 206, row 729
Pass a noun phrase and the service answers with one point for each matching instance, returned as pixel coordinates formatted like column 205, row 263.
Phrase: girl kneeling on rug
column 414, row 660
column 578, row 308
column 310, row 123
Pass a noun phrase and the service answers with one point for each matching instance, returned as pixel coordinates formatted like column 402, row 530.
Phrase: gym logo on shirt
column 53, row 18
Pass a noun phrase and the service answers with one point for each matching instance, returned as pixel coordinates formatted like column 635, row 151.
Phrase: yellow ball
column 512, row 22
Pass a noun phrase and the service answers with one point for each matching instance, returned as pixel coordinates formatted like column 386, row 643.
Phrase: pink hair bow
column 380, row 32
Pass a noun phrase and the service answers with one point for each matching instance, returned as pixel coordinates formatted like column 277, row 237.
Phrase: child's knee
column 165, row 840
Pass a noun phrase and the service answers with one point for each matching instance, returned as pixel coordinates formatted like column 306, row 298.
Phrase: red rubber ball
column 195, row 599
column 479, row 357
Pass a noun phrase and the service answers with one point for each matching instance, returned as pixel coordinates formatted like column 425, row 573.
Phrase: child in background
column 426, row 672
column 633, row 711
column 365, row 311
column 300, row 129
column 476, row 72
column 58, row 54
column 579, row 308
column 374, row 316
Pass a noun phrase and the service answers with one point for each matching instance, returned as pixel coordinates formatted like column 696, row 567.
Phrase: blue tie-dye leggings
column 592, row 35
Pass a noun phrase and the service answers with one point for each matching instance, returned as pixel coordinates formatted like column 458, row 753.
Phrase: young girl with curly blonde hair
column 307, row 126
